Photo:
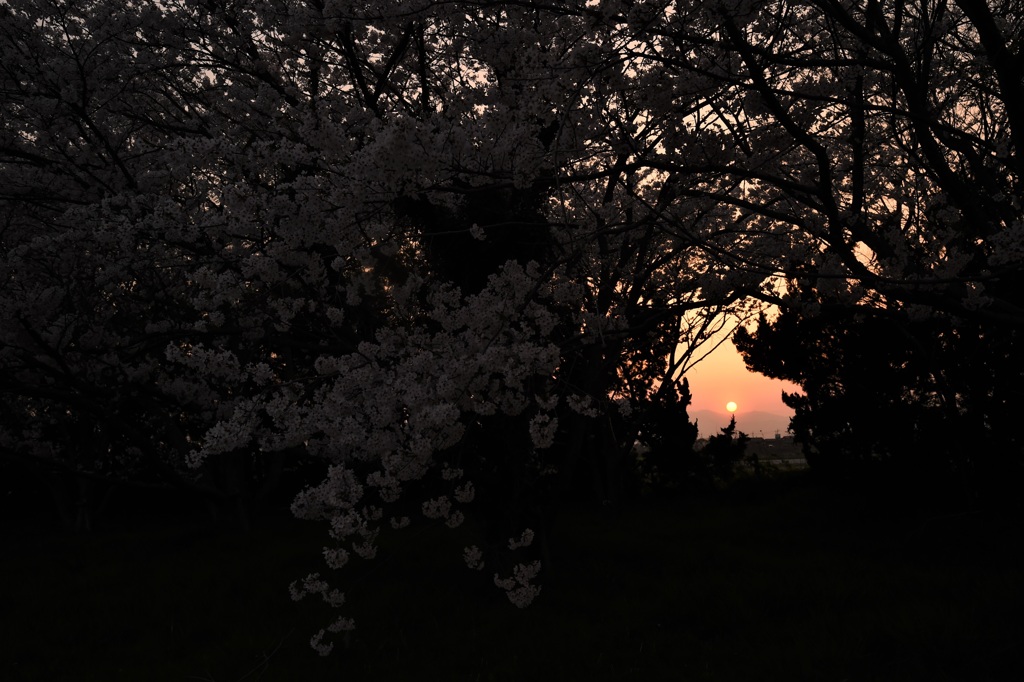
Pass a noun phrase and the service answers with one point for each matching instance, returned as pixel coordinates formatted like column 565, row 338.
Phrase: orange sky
column 722, row 377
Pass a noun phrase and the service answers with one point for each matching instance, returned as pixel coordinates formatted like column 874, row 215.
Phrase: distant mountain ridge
column 757, row 424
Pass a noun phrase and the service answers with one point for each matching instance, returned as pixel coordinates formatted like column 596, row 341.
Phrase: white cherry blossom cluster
column 473, row 557
column 519, row 587
column 524, row 540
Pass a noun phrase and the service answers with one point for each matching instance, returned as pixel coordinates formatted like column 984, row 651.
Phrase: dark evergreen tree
column 883, row 391
column 667, row 437
column 724, row 451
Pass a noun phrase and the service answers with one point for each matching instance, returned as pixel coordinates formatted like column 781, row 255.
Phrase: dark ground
column 784, row 579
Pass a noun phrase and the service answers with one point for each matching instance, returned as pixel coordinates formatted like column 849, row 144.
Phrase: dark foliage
column 670, row 462
column 883, row 392
column 724, row 451
column 668, row 436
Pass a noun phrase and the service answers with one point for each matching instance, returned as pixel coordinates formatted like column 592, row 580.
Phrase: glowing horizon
column 723, row 378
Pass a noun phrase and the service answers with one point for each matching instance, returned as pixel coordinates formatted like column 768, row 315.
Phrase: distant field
column 778, row 580
column 780, row 454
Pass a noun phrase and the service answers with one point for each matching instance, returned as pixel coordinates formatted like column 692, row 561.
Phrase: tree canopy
column 462, row 242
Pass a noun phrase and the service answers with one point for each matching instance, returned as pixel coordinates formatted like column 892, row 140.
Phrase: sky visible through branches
column 444, row 255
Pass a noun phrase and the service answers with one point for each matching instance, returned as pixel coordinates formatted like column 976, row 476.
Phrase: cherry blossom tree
column 451, row 249
column 236, row 233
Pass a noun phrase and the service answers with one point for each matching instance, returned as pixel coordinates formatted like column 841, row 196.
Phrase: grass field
column 781, row 580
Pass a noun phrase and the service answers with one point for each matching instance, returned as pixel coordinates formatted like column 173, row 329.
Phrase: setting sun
column 731, row 406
